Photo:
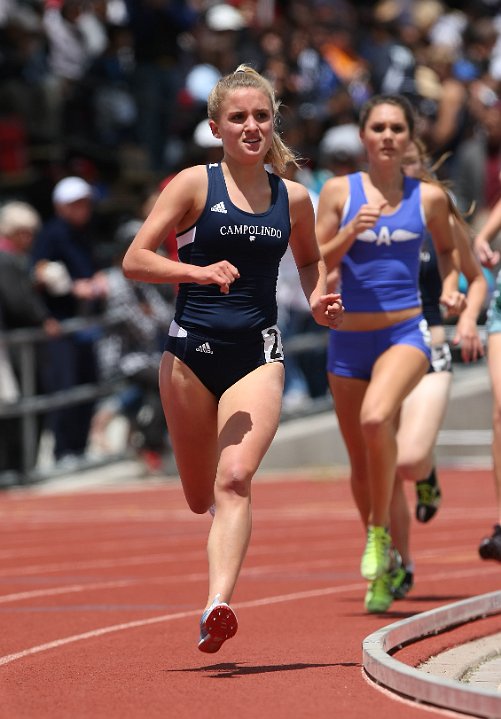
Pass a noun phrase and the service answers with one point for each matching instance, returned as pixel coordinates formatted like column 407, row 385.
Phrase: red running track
column 101, row 593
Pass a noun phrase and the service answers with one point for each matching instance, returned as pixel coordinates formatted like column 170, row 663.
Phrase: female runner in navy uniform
column 221, row 376
column 372, row 225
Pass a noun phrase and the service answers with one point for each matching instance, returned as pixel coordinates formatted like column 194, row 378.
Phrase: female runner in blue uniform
column 222, row 374
column 372, row 224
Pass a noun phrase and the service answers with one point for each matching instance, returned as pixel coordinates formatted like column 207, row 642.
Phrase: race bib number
column 425, row 331
column 273, row 350
column 441, row 358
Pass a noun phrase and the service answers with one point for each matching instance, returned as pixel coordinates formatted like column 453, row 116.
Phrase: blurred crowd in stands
column 113, row 93
column 114, row 90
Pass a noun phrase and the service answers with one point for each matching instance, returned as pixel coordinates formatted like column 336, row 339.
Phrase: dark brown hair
column 427, row 175
column 397, row 100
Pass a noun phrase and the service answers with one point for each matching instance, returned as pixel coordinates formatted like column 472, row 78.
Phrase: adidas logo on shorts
column 219, row 207
column 205, row 347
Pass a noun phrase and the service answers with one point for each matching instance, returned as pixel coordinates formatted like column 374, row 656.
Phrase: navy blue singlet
column 430, row 283
column 254, row 243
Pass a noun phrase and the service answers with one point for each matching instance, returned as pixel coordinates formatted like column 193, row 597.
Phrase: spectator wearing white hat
column 340, row 152
column 341, row 146
column 207, row 148
column 20, row 306
column 63, row 258
column 223, row 17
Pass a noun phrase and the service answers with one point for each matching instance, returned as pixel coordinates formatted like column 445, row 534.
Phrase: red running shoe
column 217, row 624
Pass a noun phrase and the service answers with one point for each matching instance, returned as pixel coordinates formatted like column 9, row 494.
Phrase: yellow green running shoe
column 401, row 580
column 379, row 596
column 376, row 557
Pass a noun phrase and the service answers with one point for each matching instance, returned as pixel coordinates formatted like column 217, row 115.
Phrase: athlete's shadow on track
column 405, row 614
column 396, row 613
column 229, row 670
column 437, row 597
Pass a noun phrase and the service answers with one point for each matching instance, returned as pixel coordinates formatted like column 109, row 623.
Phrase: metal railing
column 30, row 404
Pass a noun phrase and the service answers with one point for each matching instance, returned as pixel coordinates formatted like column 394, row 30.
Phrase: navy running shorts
column 353, row 354
column 494, row 313
column 219, row 363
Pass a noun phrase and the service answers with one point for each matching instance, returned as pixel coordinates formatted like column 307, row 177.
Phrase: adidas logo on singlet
column 205, row 347
column 219, row 207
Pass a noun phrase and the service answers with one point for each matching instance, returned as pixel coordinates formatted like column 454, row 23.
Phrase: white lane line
column 281, row 569
column 69, row 589
column 9, row 658
column 171, row 556
column 97, row 564
column 174, row 555
column 308, row 594
column 275, row 570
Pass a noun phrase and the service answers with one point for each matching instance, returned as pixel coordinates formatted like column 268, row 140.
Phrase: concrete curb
column 418, row 685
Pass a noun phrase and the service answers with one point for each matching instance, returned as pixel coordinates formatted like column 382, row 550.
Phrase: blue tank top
column 430, row 283
column 253, row 242
column 380, row 271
